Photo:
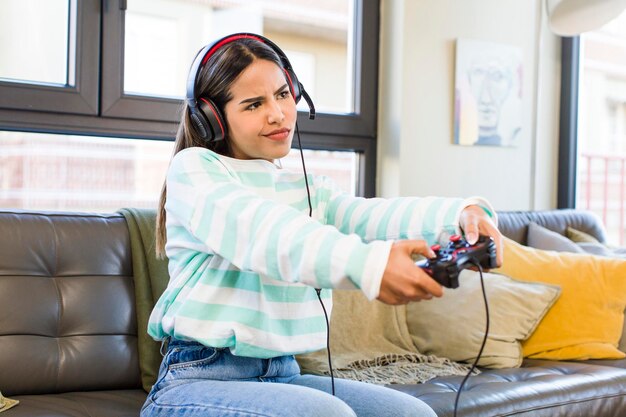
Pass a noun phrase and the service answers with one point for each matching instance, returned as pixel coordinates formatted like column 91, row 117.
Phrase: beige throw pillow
column 453, row 326
column 579, row 236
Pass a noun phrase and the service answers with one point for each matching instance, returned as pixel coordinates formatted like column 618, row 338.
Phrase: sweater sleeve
column 432, row 219
column 261, row 235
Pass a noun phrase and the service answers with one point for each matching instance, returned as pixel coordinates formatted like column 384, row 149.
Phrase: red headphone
column 205, row 115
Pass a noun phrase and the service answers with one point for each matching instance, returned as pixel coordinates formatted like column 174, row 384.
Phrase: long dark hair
column 216, row 78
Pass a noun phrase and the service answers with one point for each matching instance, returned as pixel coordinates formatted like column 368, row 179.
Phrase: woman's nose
column 275, row 112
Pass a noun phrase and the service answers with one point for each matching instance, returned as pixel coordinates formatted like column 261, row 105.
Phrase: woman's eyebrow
column 260, row 98
column 251, row 100
column 281, row 88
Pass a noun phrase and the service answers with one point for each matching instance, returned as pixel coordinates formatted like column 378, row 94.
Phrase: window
column 49, row 59
column 79, row 173
column 593, row 126
column 334, row 43
column 68, row 172
column 50, row 47
column 315, row 36
column 115, row 72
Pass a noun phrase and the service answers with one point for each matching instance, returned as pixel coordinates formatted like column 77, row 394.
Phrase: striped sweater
column 245, row 257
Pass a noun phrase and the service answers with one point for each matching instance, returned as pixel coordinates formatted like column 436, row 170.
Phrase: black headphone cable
column 317, row 290
column 482, row 346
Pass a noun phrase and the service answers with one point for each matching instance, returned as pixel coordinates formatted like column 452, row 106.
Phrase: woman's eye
column 253, row 105
column 284, row 94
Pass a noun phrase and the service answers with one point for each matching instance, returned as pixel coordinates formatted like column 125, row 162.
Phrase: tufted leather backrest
column 67, row 307
column 514, row 224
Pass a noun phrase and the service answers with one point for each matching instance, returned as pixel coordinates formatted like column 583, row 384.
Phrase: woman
column 248, row 246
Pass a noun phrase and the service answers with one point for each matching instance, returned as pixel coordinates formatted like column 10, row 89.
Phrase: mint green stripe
column 356, row 263
column 298, row 184
column 345, row 225
column 217, row 342
column 228, row 246
column 382, row 231
column 486, row 210
column 177, row 233
column 274, row 243
column 257, row 179
column 244, row 349
column 181, row 177
column 404, row 231
column 192, row 261
column 214, row 169
column 289, row 293
column 326, row 294
column 180, row 208
column 363, row 221
column 252, row 318
column 322, row 262
column 251, row 281
column 260, row 215
column 252, row 351
column 449, row 224
column 243, row 280
column 295, row 255
column 302, row 205
column 429, row 224
column 155, row 330
column 204, row 227
column 333, row 206
column 322, row 196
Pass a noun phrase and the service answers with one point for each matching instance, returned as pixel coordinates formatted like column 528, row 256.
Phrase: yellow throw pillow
column 586, row 321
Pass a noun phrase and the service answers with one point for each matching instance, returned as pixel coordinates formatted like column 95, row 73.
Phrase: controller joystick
column 457, row 255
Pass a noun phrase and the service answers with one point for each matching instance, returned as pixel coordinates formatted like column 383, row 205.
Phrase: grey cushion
column 542, row 238
column 602, row 250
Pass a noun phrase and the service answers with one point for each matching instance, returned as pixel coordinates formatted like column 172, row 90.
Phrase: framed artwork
column 488, row 94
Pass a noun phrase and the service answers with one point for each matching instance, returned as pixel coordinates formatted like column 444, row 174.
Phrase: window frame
column 98, row 106
column 568, row 122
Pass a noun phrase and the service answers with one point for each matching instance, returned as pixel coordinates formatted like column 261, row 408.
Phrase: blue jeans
column 199, row 381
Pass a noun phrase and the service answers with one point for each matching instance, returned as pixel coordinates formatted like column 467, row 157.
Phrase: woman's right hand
column 403, row 281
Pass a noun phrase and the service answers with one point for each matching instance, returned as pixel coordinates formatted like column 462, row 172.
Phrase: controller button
column 436, row 248
column 455, row 238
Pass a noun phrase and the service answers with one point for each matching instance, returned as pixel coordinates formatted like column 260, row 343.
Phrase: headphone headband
column 205, row 115
column 230, row 38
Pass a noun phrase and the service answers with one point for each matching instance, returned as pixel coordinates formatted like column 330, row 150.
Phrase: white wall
column 416, row 155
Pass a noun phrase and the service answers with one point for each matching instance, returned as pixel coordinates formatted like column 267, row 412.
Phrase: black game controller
column 449, row 261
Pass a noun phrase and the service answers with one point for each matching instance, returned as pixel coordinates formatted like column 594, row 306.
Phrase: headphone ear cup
column 199, row 123
column 294, row 84
column 215, row 122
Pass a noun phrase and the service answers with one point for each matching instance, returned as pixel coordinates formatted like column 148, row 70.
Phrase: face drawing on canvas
column 490, row 82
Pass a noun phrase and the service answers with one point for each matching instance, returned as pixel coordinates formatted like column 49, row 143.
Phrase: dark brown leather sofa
column 68, row 332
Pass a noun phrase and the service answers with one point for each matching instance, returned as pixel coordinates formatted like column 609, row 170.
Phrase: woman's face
column 261, row 114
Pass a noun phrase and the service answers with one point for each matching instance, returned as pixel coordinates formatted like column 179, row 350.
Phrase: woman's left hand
column 475, row 221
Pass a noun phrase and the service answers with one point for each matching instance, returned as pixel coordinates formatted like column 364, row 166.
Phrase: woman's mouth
column 278, row 134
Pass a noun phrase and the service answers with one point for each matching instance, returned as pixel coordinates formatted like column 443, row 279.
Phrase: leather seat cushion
column 121, row 403
column 545, row 388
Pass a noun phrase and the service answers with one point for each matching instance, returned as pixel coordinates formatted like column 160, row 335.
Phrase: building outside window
column 601, row 142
